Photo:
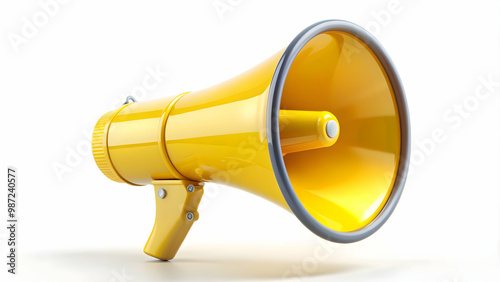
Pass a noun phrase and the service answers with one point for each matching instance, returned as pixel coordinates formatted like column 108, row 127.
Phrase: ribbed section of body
column 99, row 147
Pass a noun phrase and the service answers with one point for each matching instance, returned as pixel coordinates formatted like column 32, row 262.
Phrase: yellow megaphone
column 321, row 129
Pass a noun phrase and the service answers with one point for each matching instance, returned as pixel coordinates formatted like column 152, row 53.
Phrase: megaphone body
column 321, row 129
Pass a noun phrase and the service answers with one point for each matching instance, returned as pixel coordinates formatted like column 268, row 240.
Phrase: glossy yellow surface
column 346, row 185
column 219, row 134
column 171, row 224
column 135, row 142
column 305, row 130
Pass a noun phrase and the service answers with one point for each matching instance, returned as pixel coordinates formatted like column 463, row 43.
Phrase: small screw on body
column 189, row 216
column 190, row 188
column 161, row 193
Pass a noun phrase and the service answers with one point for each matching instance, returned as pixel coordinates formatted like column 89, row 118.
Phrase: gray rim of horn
column 273, row 138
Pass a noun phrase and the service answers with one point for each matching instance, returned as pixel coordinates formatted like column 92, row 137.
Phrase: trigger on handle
column 176, row 210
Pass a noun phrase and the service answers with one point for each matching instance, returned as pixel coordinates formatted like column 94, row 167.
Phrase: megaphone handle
column 176, row 210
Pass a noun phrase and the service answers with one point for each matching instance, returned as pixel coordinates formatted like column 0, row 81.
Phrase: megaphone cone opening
column 341, row 192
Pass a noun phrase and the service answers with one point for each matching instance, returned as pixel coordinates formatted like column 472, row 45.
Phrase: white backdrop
column 64, row 64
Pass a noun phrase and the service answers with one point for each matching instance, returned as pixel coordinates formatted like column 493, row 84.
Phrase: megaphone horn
column 321, row 129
